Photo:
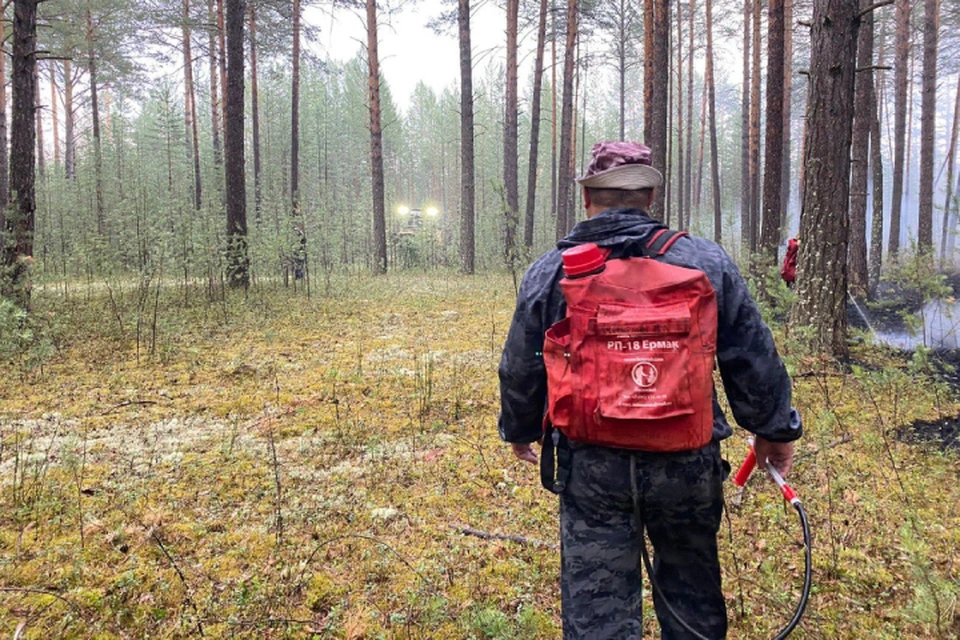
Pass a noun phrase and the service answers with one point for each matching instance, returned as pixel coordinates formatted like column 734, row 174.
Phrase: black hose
column 807, row 577
column 807, row 574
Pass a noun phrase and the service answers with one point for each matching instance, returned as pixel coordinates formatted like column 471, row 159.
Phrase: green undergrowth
column 271, row 466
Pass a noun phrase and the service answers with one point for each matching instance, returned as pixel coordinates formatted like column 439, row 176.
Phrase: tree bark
column 554, row 206
column 688, row 188
column 191, row 104
column 681, row 166
column 4, row 157
column 19, row 224
column 712, row 108
column 41, row 158
column 900, row 122
column 69, row 123
column 565, row 212
column 659, row 107
column 535, row 111
column 510, row 132
column 215, row 107
column 773, row 162
column 622, row 64
column 222, row 58
column 467, row 196
column 822, row 272
column 876, row 227
column 54, row 113
column 787, row 117
column 648, row 71
column 755, row 131
column 376, row 144
column 255, row 117
column 745, row 188
column 948, row 197
column 862, row 123
column 928, row 114
column 295, row 115
column 95, row 115
column 238, row 263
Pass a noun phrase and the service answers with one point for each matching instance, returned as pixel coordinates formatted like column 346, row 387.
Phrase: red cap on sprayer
column 582, row 259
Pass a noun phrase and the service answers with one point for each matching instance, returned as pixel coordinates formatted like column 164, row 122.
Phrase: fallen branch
column 128, row 403
column 42, row 592
column 152, row 532
column 469, row 531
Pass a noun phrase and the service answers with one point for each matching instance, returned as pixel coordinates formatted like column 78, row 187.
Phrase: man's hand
column 779, row 454
column 524, row 452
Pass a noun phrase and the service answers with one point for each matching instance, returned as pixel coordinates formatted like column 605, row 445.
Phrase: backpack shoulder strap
column 661, row 242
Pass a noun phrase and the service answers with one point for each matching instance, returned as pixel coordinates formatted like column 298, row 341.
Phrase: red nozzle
column 746, row 469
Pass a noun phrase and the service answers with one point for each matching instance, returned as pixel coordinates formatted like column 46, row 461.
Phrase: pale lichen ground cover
column 299, row 469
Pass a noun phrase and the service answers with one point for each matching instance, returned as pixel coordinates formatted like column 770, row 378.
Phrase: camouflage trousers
column 679, row 499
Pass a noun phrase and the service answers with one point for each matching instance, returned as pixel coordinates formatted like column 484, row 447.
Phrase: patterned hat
column 621, row 165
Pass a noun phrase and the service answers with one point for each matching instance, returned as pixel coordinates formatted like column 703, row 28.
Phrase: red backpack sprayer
column 631, row 367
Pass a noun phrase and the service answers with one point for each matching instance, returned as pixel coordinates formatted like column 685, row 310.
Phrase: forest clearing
column 276, row 346
column 279, row 466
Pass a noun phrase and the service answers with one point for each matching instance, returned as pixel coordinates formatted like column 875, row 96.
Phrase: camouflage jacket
column 754, row 378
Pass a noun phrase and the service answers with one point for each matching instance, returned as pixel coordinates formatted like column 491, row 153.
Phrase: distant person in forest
column 620, row 394
column 789, row 269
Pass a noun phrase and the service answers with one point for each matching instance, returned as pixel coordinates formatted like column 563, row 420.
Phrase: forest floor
column 277, row 466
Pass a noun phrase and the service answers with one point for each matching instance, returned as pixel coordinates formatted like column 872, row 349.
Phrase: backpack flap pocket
column 556, row 358
column 643, row 361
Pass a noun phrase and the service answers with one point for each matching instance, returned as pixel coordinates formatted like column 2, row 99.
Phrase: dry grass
column 296, row 471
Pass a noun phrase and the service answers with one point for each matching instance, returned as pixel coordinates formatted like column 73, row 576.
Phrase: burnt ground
column 886, row 314
column 945, row 433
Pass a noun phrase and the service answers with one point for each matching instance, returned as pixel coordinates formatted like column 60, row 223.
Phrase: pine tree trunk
column 681, row 166
column 659, row 107
column 69, row 123
column 755, row 131
column 862, row 122
column 295, row 114
column 822, row 273
column 622, row 65
column 535, row 111
column 4, row 157
column 190, row 99
column 376, row 144
column 54, row 113
column 255, row 116
column 648, row 71
column 467, row 196
column 41, row 158
column 238, row 264
column 948, row 197
column 745, row 189
column 773, row 161
column 900, row 122
column 928, row 115
column 95, row 115
column 876, row 227
column 565, row 213
column 554, row 206
column 19, row 223
column 698, row 183
column 215, row 107
column 712, row 108
column 222, row 58
column 510, row 132
column 787, row 116
column 688, row 187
